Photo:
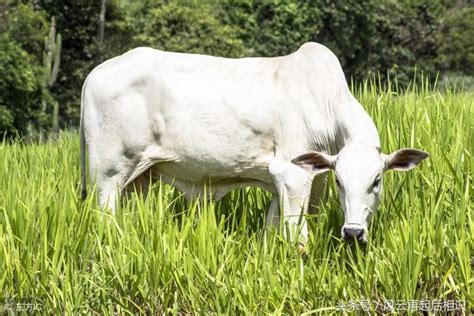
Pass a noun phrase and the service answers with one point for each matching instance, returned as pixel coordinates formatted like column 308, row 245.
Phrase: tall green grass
column 166, row 254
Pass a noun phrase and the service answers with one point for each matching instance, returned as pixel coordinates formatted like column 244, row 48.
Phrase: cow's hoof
column 303, row 251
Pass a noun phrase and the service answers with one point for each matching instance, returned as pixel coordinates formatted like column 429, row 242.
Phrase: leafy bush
column 457, row 41
column 22, row 94
column 28, row 28
column 368, row 36
column 272, row 27
column 177, row 27
column 77, row 21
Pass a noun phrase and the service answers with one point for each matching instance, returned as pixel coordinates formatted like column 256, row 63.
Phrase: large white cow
column 276, row 123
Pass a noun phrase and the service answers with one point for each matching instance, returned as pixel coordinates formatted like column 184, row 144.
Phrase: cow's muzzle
column 354, row 231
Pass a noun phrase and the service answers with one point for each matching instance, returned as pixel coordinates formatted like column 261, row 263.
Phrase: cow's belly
column 203, row 168
column 216, row 148
column 197, row 185
column 195, row 171
column 212, row 138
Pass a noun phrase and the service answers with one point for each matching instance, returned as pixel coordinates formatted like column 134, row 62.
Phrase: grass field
column 167, row 254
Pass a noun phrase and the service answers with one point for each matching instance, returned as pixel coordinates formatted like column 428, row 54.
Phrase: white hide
column 195, row 120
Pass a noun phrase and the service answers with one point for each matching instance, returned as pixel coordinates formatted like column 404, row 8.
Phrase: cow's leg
column 317, row 190
column 111, row 187
column 141, row 184
column 111, row 170
column 122, row 171
column 273, row 215
column 108, row 192
column 293, row 185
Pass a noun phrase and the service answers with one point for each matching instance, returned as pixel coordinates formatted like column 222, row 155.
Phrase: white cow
column 275, row 123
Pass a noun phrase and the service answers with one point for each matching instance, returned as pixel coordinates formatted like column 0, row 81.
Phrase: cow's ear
column 315, row 162
column 404, row 159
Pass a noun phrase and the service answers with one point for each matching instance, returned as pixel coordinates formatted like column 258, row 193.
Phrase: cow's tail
column 83, row 149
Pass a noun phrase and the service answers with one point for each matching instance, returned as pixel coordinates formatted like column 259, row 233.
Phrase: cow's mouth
column 352, row 232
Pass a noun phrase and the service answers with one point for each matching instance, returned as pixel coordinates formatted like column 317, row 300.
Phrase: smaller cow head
column 359, row 170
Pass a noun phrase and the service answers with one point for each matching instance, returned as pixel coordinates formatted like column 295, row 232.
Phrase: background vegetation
column 169, row 255
column 383, row 37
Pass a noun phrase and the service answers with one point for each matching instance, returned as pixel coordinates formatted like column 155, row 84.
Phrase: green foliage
column 187, row 28
column 164, row 255
column 27, row 27
column 406, row 39
column 272, row 27
column 77, row 23
column 370, row 37
column 7, row 119
column 456, row 41
column 350, row 30
column 23, row 100
column 456, row 81
column 21, row 89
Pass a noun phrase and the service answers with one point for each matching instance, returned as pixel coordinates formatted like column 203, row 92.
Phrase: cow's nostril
column 350, row 233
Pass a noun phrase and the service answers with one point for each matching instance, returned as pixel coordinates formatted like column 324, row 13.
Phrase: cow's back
column 215, row 116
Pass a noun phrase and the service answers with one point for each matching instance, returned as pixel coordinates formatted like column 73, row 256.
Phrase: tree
column 24, row 102
column 100, row 36
column 186, row 28
column 77, row 21
column 368, row 36
column 27, row 27
column 456, row 40
column 271, row 27
column 21, row 90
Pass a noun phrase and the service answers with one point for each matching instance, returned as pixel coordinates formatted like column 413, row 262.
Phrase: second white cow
column 277, row 123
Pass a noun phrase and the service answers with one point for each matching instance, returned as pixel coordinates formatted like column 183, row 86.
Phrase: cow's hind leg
column 112, row 186
column 138, row 176
column 109, row 191
column 141, row 184
column 317, row 191
column 113, row 170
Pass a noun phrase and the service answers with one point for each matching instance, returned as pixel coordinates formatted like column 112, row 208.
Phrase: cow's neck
column 355, row 125
column 328, row 128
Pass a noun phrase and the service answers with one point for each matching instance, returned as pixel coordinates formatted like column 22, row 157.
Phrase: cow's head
column 359, row 170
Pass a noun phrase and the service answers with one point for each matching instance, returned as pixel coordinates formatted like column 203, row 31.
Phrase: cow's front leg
column 293, row 185
column 317, row 193
column 273, row 215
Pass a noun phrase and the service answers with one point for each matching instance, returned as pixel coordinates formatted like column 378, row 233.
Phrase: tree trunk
column 100, row 39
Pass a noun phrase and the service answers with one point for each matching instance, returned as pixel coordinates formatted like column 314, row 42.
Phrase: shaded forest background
column 47, row 47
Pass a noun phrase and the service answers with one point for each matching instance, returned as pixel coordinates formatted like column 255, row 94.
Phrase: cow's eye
column 376, row 182
column 337, row 183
